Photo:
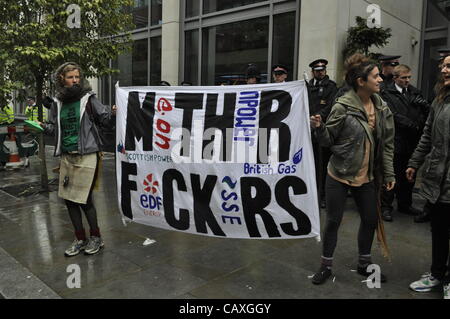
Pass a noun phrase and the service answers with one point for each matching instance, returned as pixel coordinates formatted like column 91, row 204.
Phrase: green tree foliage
column 36, row 36
column 360, row 38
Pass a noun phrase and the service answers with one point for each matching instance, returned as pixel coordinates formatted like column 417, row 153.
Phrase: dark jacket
column 321, row 97
column 89, row 139
column 433, row 152
column 410, row 114
column 346, row 131
column 387, row 80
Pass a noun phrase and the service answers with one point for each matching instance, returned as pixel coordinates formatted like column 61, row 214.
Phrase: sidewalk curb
column 17, row 282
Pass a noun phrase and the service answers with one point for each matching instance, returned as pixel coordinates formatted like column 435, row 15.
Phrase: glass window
column 155, row 60
column 123, row 64
column 219, row 5
column 156, row 12
column 192, row 8
column 431, row 68
column 191, row 57
column 140, row 13
column 283, row 46
column 229, row 48
column 139, row 62
column 132, row 65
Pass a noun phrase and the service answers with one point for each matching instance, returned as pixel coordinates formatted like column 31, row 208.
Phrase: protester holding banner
column 74, row 119
column 360, row 134
column 433, row 152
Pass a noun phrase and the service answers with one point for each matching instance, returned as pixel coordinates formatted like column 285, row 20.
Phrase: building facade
column 211, row 42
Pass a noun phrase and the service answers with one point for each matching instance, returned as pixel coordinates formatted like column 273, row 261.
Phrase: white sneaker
column 447, row 291
column 94, row 245
column 75, row 248
column 425, row 283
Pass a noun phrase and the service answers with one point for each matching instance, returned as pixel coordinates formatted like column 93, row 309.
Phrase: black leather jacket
column 321, row 97
column 410, row 114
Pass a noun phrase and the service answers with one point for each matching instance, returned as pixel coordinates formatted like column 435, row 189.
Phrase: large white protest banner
column 225, row 161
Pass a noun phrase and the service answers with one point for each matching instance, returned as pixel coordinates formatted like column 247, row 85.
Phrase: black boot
column 387, row 215
column 424, row 216
column 322, row 275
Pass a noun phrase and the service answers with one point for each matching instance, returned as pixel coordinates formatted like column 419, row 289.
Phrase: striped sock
column 365, row 260
column 327, row 262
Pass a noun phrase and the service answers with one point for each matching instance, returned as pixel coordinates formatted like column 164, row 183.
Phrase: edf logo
column 150, row 200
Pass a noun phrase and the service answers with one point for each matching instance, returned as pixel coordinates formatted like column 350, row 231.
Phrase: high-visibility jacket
column 6, row 115
column 32, row 113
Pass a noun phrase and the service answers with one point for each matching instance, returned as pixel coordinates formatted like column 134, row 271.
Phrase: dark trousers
column 321, row 157
column 403, row 189
column 365, row 198
column 440, row 226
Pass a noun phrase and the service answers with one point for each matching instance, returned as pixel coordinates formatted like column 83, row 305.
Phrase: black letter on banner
column 188, row 102
column 202, row 211
column 255, row 205
column 169, row 212
column 140, row 121
column 270, row 120
column 221, row 122
column 282, row 196
column 126, row 187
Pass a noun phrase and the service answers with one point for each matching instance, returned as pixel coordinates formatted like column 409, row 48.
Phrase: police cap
column 318, row 65
column 387, row 58
column 279, row 68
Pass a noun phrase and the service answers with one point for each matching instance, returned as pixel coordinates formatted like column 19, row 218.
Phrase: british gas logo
column 150, row 201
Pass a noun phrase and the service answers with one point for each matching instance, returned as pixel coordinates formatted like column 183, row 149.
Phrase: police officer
column 252, row 74
column 410, row 111
column 321, row 92
column 32, row 111
column 6, row 114
column 388, row 63
column 321, row 89
column 279, row 73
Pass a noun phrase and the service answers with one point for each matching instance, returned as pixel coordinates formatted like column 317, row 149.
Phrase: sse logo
column 150, row 200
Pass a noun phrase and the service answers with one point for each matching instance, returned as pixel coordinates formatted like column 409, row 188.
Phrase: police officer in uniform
column 252, row 74
column 321, row 93
column 279, row 73
column 388, row 63
column 6, row 114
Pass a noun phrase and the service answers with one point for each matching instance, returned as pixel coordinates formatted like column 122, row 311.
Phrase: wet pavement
column 35, row 231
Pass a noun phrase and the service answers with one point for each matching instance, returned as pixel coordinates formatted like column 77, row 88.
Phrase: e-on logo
column 150, row 200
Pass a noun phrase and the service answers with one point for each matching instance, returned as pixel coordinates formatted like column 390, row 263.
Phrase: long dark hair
column 440, row 89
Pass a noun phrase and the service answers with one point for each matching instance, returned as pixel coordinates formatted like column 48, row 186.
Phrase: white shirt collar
column 399, row 88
